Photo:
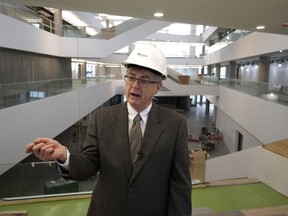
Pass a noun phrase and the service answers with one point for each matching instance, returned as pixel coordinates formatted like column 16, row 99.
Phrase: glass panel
column 39, row 179
column 12, row 94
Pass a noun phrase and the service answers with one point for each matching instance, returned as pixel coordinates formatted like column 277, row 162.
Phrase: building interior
column 227, row 73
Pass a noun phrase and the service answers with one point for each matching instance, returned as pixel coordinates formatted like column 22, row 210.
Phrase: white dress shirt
column 131, row 115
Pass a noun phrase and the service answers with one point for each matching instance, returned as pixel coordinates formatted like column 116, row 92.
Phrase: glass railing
column 209, row 80
column 12, row 94
column 266, row 91
column 40, row 179
column 24, row 14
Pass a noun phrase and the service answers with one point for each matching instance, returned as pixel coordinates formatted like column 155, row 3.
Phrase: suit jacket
column 158, row 184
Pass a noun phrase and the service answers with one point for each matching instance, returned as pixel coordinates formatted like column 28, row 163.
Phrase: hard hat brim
column 146, row 68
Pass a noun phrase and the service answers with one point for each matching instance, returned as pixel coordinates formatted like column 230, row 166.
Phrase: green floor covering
column 235, row 197
column 220, row 198
column 75, row 207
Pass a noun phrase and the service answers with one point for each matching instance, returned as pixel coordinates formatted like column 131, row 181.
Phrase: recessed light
column 260, row 27
column 158, row 14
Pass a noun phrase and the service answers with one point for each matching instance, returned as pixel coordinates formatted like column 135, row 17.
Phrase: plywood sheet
column 235, row 181
column 278, row 147
column 14, row 213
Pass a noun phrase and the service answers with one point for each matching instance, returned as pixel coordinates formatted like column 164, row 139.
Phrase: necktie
column 135, row 138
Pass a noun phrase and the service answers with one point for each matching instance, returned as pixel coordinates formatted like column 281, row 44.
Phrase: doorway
column 239, row 138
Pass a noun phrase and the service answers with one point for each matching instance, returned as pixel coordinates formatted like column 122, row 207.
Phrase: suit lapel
column 120, row 132
column 153, row 130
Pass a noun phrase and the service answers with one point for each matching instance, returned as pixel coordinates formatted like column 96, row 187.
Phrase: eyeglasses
column 143, row 82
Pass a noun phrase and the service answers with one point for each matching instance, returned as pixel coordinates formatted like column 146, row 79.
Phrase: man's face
column 140, row 97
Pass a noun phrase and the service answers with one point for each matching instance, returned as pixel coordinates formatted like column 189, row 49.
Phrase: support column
column 209, row 70
column 218, row 69
column 83, row 70
column 264, row 69
column 207, row 106
column 214, row 115
column 97, row 70
column 201, row 96
column 58, row 27
column 231, row 70
column 203, row 50
column 102, row 70
column 192, row 52
column 195, row 99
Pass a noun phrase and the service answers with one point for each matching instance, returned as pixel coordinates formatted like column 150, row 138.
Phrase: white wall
column 229, row 128
column 279, row 75
column 254, row 44
column 266, row 121
column 39, row 41
column 33, row 39
column 183, row 90
column 249, row 73
column 255, row 162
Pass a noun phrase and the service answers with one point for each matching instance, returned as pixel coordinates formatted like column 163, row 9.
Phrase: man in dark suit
column 156, row 181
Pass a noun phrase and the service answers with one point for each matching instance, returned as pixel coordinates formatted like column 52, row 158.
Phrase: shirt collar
column 144, row 114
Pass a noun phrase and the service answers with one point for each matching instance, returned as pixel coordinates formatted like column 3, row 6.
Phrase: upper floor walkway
column 14, row 94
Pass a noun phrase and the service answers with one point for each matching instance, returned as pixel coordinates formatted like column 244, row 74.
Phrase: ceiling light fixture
column 260, row 27
column 158, row 14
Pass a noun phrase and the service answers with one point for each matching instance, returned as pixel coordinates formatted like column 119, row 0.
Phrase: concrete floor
column 198, row 118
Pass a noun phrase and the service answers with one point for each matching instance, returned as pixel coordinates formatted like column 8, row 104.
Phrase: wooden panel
column 271, row 211
column 14, row 213
column 236, row 181
column 198, row 164
column 278, row 147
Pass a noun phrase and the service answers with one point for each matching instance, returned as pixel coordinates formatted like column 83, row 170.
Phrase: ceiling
column 234, row 14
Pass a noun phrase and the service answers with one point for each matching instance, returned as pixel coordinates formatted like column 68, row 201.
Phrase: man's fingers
column 45, row 149
column 41, row 140
column 28, row 148
column 37, row 147
column 47, row 154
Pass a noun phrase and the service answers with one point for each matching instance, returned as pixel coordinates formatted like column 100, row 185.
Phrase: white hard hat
column 150, row 57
